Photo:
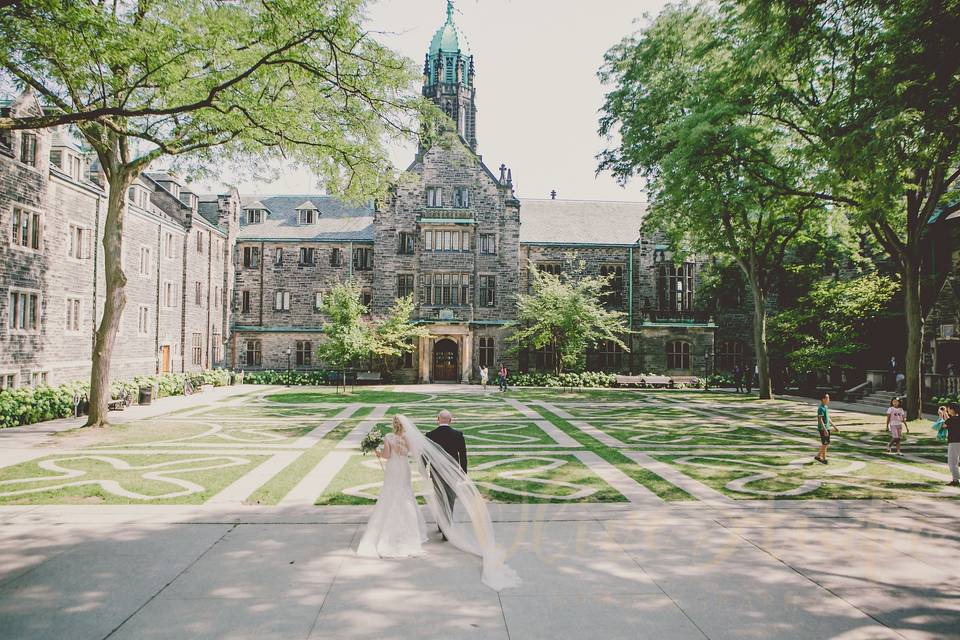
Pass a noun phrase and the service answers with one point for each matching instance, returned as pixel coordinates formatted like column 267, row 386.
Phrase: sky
column 537, row 91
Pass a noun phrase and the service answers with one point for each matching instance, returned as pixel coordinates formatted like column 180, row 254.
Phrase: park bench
column 369, row 376
column 121, row 403
column 644, row 381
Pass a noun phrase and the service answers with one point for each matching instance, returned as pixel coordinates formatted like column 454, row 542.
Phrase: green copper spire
column 448, row 38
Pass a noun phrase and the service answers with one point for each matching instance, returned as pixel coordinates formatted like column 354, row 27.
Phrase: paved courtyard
column 233, row 514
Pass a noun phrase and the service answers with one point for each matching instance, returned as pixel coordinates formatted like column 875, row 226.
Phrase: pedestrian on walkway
column 747, row 379
column 901, row 382
column 738, row 378
column 939, row 426
column 896, row 423
column 824, row 425
column 502, row 377
column 953, row 442
column 484, row 376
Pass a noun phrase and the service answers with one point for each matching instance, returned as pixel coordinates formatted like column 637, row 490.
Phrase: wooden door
column 445, row 361
column 165, row 359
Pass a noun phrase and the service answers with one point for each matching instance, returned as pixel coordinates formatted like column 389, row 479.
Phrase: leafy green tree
column 348, row 336
column 298, row 80
column 827, row 327
column 396, row 335
column 684, row 125
column 568, row 313
column 873, row 90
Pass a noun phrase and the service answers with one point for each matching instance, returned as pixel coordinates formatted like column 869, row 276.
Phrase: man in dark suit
column 451, row 441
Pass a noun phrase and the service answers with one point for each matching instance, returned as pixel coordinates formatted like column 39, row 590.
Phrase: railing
column 941, row 385
column 447, row 212
column 676, row 317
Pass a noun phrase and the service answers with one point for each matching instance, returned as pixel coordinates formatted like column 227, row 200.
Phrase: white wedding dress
column 396, row 529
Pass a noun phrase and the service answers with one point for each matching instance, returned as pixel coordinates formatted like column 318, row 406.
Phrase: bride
column 397, row 529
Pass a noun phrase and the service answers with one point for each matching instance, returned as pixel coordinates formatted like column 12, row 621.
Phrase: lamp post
column 289, row 351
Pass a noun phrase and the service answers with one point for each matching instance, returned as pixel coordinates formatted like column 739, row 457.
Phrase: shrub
column 569, row 379
column 721, row 380
column 25, row 405
column 292, row 378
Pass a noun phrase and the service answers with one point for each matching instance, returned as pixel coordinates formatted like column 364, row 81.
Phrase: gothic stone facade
column 177, row 263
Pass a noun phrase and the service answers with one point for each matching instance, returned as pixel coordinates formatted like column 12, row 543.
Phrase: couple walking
column 397, row 529
column 502, row 374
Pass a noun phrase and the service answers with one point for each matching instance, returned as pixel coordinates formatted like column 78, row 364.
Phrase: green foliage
column 396, row 335
column 348, row 336
column 289, row 378
column 828, row 325
column 567, row 379
column 26, row 405
column 567, row 313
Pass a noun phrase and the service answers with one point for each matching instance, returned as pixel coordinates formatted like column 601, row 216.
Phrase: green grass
column 362, row 470
column 874, row 480
column 362, row 396
column 30, row 475
column 664, row 489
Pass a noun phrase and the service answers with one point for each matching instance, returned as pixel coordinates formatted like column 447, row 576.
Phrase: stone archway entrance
column 445, row 361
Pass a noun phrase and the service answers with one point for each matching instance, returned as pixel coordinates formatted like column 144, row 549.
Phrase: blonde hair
column 397, row 425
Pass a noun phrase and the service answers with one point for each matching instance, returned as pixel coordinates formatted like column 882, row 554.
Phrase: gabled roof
column 579, row 222
column 338, row 221
column 256, row 204
column 307, row 205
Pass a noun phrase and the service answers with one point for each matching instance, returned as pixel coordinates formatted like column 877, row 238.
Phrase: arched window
column 678, row 355
column 729, row 354
column 675, row 287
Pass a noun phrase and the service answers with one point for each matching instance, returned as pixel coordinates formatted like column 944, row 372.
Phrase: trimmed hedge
column 291, row 378
column 26, row 405
column 584, row 379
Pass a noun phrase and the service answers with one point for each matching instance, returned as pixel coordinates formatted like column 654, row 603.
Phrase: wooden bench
column 369, row 376
column 628, row 381
column 644, row 382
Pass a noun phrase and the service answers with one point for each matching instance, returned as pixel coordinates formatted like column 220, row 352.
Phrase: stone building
column 455, row 235
column 177, row 258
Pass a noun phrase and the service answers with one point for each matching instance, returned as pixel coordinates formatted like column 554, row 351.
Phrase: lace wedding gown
column 396, row 528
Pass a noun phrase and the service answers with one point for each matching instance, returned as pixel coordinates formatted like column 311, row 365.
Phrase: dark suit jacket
column 452, row 442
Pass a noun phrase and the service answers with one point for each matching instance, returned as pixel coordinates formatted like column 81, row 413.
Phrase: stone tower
column 448, row 74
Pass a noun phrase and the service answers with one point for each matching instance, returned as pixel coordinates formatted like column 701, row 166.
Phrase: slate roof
column 209, row 210
column 336, row 220
column 580, row 221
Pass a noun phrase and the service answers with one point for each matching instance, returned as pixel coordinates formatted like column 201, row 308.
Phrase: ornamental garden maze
column 277, row 446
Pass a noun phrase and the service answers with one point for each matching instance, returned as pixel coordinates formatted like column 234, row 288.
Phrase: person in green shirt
column 824, row 425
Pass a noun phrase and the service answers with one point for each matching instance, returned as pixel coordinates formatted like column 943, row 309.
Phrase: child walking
column 824, row 425
column 896, row 423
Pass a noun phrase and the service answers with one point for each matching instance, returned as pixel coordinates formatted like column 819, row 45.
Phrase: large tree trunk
column 760, row 338
column 913, row 316
column 115, row 298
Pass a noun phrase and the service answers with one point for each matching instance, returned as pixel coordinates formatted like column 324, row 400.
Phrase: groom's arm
column 462, row 453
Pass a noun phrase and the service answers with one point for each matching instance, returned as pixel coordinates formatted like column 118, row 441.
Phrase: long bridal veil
column 475, row 536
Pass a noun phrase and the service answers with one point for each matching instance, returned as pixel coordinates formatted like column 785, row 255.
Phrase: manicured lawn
column 535, row 479
column 362, row 396
column 92, row 478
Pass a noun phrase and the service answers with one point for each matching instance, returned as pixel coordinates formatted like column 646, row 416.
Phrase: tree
column 298, row 80
column 873, row 90
column 828, row 325
column 567, row 312
column 349, row 337
column 682, row 115
column 394, row 336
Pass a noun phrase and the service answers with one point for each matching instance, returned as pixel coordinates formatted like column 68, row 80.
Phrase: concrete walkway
column 847, row 570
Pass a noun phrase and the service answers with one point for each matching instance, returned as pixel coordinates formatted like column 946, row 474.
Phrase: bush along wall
column 26, row 405
column 292, row 378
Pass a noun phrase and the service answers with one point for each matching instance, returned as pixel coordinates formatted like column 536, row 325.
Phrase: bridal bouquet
column 371, row 442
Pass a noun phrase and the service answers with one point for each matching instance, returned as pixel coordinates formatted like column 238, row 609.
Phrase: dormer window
column 307, row 213
column 254, row 216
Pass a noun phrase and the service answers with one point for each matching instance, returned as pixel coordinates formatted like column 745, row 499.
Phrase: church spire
column 448, row 72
